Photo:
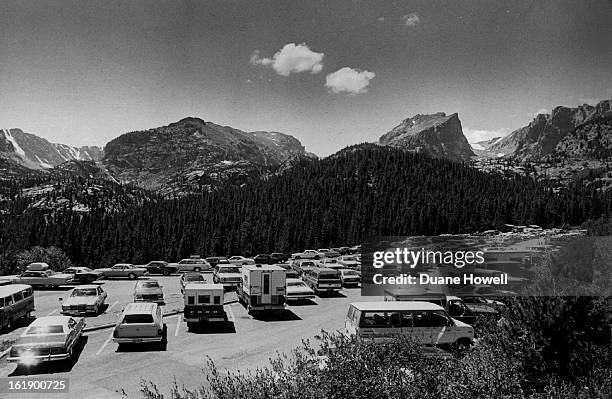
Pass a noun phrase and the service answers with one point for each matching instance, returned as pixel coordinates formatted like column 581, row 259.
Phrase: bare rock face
column 192, row 155
column 438, row 135
column 569, row 132
column 34, row 152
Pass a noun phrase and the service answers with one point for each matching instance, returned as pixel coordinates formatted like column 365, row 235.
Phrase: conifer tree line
column 362, row 191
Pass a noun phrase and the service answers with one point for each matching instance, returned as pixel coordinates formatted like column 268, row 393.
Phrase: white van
column 426, row 322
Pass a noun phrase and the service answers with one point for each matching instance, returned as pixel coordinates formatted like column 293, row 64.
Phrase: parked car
column 122, row 270
column 308, row 254
column 344, row 250
column 46, row 339
column 349, row 261
column 331, row 253
column 349, row 278
column 263, row 259
column 300, row 265
column 322, row 279
column 43, row 278
column 330, row 263
column 241, row 260
column 471, row 300
column 160, row 267
column 192, row 265
column 486, row 291
column 140, row 323
column 16, row 304
column 82, row 275
column 215, row 260
column 83, row 300
column 278, row 257
column 227, row 274
column 148, row 291
column 298, row 290
column 191, row 278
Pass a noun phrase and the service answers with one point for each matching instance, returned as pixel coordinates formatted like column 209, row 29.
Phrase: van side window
column 190, row 300
column 203, row 298
column 1, row 302
column 407, row 319
column 8, row 300
column 27, row 293
column 380, row 319
column 217, row 300
column 17, row 296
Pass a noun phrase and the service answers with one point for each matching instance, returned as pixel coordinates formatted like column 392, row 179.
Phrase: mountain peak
column 438, row 135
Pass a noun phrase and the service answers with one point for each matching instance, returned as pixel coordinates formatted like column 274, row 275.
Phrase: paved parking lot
column 245, row 342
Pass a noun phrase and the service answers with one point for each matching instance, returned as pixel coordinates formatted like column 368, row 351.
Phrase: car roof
column 47, row 320
column 139, row 307
column 122, row 264
column 197, row 286
column 294, row 280
column 11, row 289
column 86, row 286
column 151, row 280
column 396, row 305
column 262, row 267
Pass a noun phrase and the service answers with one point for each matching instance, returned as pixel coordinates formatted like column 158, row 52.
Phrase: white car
column 84, row 299
column 298, row 290
column 349, row 261
column 192, row 265
column 241, row 260
column 350, row 277
column 308, row 254
column 140, row 322
column 47, row 338
column 227, row 274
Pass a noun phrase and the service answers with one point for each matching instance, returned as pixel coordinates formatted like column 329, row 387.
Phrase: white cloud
column 411, row 19
column 292, row 58
column 476, row 135
column 349, row 80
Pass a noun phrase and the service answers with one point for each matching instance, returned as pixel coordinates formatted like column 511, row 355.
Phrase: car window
column 190, row 300
column 217, row 300
column 380, row 319
column 137, row 319
column 203, row 299
column 84, row 292
column 17, row 296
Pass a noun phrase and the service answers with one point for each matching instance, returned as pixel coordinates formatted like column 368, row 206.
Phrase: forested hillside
column 361, row 191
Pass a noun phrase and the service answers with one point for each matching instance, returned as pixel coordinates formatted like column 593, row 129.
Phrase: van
column 203, row 304
column 425, row 322
column 140, row 322
column 16, row 303
column 322, row 279
column 263, row 288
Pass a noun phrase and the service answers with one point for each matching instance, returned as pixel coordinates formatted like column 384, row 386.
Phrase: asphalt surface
column 100, row 371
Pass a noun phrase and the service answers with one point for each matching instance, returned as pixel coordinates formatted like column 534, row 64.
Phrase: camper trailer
column 263, row 288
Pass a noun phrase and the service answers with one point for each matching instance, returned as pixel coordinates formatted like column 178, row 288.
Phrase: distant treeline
column 362, row 191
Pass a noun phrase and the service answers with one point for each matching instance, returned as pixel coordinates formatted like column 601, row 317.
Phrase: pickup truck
column 43, row 278
column 308, row 254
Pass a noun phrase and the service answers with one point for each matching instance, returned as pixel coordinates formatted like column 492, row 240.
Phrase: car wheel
column 462, row 345
column 166, row 272
column 298, row 257
column 197, row 269
column 131, row 276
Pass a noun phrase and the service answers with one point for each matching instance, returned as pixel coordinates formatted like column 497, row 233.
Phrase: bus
column 16, row 303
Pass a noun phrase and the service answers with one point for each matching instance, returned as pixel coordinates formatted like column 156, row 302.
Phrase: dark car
column 160, row 267
column 82, row 275
column 191, row 278
column 278, row 257
column 263, row 259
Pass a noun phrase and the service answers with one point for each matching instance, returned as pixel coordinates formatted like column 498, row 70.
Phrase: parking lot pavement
column 243, row 343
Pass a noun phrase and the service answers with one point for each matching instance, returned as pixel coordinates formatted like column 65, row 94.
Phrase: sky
column 331, row 73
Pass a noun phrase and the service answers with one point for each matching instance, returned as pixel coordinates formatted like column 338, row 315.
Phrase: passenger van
column 322, row 279
column 16, row 303
column 426, row 322
column 140, row 322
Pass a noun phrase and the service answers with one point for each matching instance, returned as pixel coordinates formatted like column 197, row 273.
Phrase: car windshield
column 86, row 269
column 229, row 270
column 349, row 272
column 148, row 284
column 330, row 261
column 39, row 330
column 349, row 258
column 194, row 277
column 137, row 319
column 84, row 292
column 296, row 284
